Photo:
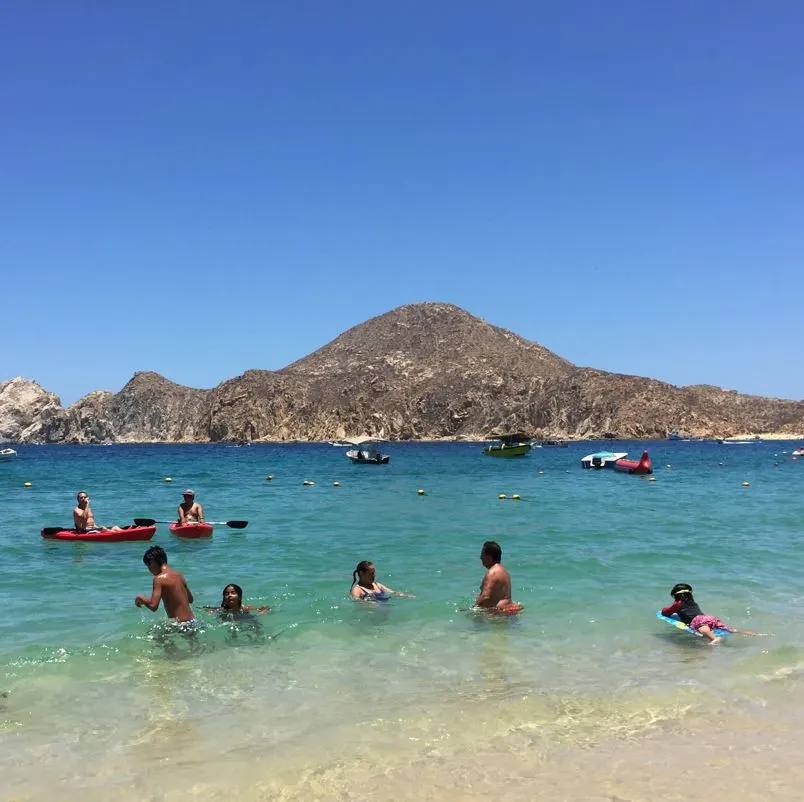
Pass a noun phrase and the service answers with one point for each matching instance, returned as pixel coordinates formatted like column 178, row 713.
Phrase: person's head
column 364, row 573
column 154, row 559
column 232, row 597
column 490, row 554
column 189, row 496
column 82, row 498
column 682, row 592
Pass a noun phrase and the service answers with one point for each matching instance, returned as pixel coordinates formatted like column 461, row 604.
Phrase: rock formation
column 420, row 371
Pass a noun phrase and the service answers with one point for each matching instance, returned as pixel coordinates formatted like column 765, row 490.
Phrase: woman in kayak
column 84, row 518
column 364, row 588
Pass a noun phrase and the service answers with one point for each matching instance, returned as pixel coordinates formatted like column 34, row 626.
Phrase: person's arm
column 78, row 518
column 189, row 592
column 211, row 610
column 156, row 596
column 182, row 517
column 393, row 592
column 485, row 595
column 200, row 514
column 672, row 609
column 357, row 593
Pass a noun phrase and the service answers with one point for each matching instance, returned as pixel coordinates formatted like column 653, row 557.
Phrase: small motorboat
column 366, row 452
column 128, row 533
column 549, row 443
column 799, row 452
column 7, row 454
column 508, row 445
column 191, row 531
column 602, row 459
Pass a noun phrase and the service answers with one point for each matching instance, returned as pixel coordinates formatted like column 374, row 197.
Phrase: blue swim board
column 676, row 622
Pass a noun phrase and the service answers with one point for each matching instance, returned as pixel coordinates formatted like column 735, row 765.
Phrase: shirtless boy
column 190, row 511
column 84, row 518
column 169, row 586
column 495, row 589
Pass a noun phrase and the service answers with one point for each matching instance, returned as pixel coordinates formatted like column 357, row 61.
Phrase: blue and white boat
column 603, row 459
column 7, row 454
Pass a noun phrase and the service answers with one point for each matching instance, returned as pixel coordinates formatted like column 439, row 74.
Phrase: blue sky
column 199, row 188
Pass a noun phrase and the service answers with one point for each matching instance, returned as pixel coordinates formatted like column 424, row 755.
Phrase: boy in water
column 170, row 587
column 495, row 589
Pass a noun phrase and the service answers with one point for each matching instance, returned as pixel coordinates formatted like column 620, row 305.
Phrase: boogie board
column 676, row 622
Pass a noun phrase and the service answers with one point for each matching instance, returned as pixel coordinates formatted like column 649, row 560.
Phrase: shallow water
column 334, row 697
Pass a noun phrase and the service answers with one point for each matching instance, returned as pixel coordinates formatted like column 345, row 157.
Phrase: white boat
column 7, row 454
column 339, row 444
column 366, row 451
column 603, row 459
column 799, row 452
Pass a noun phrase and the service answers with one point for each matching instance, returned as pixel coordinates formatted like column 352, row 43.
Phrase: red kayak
column 632, row 466
column 192, row 531
column 105, row 536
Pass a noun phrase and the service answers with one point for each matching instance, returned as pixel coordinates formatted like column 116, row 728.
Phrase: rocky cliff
column 420, row 371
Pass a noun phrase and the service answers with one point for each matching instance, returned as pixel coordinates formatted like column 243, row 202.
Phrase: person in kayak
column 84, row 518
column 169, row 587
column 232, row 603
column 495, row 589
column 190, row 511
column 364, row 588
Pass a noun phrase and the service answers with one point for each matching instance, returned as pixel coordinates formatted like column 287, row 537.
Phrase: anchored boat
column 366, row 451
column 508, row 445
column 618, row 461
column 7, row 454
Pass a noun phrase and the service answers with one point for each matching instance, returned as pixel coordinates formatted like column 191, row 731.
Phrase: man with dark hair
column 495, row 589
column 170, row 587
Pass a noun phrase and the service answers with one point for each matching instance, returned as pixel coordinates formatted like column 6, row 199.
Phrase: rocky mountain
column 426, row 370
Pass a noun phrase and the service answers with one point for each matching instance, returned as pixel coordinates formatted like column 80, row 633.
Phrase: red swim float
column 192, row 531
column 632, row 466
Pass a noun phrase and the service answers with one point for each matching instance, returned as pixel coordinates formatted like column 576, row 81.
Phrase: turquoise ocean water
column 333, row 696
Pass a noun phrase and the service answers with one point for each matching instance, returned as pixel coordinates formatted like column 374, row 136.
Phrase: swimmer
column 84, row 518
column 495, row 589
column 232, row 603
column 365, row 588
column 190, row 511
column 688, row 611
column 170, row 587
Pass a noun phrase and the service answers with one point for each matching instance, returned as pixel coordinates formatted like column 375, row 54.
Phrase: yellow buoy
column 420, row 491
column 502, row 496
column 336, row 484
column 269, row 477
column 541, row 473
column 308, row 482
column 669, row 466
column 26, row 484
column 746, row 484
column 516, row 497
column 168, row 478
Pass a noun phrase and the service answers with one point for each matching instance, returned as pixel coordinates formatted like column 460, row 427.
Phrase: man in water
column 84, row 518
column 170, row 587
column 495, row 589
column 190, row 511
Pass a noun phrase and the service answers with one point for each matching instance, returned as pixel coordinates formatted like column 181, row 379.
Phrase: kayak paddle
column 231, row 524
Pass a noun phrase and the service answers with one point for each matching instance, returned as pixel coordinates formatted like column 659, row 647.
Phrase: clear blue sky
column 199, row 188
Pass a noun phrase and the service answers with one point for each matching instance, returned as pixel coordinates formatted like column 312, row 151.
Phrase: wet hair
column 79, row 494
column 156, row 554
column 492, row 549
column 362, row 566
column 682, row 590
column 238, row 590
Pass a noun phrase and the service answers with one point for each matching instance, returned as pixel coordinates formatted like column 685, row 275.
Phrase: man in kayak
column 190, row 511
column 495, row 589
column 169, row 587
column 84, row 518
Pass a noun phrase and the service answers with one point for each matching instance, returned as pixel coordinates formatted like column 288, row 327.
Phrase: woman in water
column 365, row 588
column 232, row 603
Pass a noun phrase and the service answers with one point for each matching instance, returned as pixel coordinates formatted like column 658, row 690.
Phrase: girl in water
column 365, row 588
column 688, row 611
column 232, row 603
